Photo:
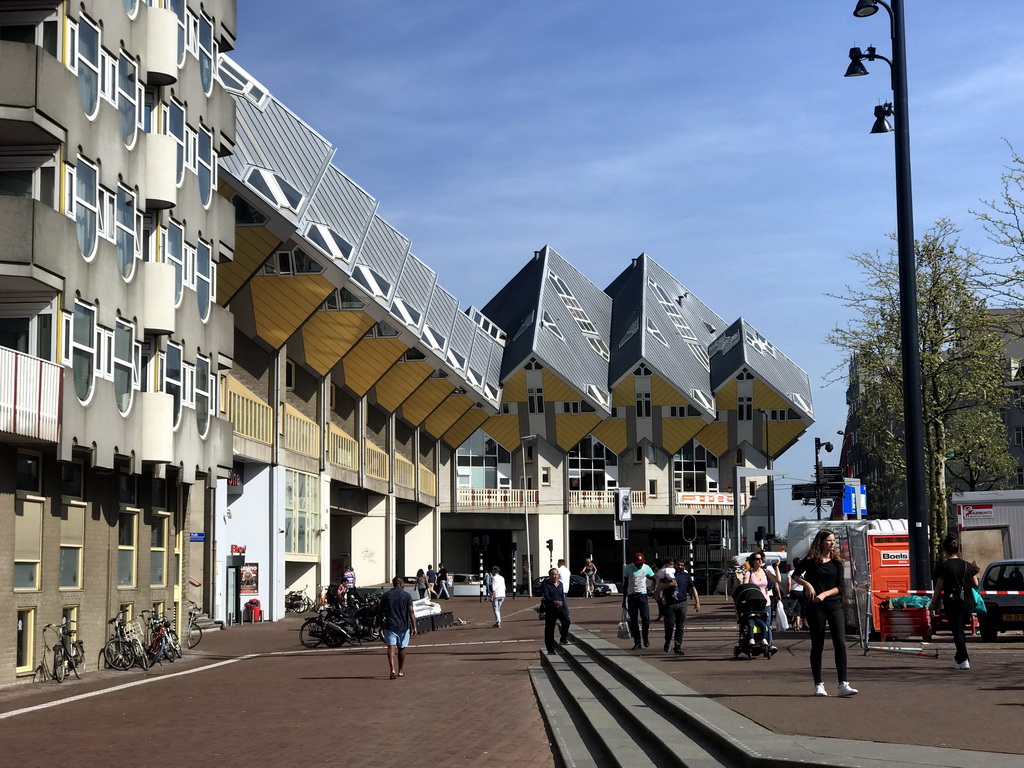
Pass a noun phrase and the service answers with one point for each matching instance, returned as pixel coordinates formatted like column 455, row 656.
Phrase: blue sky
column 720, row 138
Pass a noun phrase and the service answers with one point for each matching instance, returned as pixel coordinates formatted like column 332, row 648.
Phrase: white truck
column 991, row 525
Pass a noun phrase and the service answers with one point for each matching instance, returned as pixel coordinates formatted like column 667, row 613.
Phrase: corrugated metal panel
column 384, row 249
column 415, row 284
column 463, row 331
column 341, row 205
column 441, row 312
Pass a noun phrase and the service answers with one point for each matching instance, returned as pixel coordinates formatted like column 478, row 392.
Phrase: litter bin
column 253, row 611
column 901, row 623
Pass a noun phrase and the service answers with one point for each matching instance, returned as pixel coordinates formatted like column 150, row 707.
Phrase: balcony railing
column 405, row 472
column 603, row 499
column 428, row 481
column 30, row 394
column 250, row 416
column 498, row 497
column 342, row 449
column 376, row 462
column 301, row 433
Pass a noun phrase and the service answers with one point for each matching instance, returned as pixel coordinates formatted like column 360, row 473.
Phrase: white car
column 466, row 585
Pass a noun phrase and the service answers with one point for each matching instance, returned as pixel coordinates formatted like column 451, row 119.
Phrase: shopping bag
column 979, row 604
column 781, row 620
column 624, row 633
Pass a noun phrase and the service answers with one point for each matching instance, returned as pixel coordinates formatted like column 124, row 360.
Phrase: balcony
column 428, row 482
column 405, row 472
column 250, row 416
column 376, row 463
column 30, row 394
column 342, row 449
column 603, row 499
column 498, row 498
column 301, row 433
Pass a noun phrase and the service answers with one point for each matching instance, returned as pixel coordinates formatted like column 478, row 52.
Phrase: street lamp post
column 913, row 417
column 526, row 520
column 818, row 471
column 771, row 465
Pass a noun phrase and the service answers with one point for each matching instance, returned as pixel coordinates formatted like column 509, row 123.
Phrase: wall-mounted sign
column 250, row 579
column 238, row 549
column 235, row 478
column 197, row 536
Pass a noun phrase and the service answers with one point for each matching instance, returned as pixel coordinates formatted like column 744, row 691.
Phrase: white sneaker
column 845, row 689
column 819, row 690
column 966, row 664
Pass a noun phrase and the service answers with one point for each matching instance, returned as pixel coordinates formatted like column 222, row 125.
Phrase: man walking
column 634, row 586
column 555, row 609
column 564, row 576
column 674, row 594
column 431, row 581
column 398, row 624
column 442, row 582
column 497, row 594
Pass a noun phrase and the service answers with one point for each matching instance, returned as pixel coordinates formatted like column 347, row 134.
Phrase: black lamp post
column 771, row 465
column 818, row 471
column 913, row 417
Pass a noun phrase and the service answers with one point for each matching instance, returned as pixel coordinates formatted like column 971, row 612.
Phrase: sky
column 720, row 138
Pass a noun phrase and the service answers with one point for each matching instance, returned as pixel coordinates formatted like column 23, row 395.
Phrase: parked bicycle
column 193, row 632
column 298, row 601
column 156, row 649
column 68, row 653
column 330, row 627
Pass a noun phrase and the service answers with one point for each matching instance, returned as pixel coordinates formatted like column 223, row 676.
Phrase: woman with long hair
column 421, row 583
column 954, row 580
column 765, row 579
column 821, row 574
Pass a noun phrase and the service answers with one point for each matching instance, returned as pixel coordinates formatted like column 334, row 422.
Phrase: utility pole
column 819, row 472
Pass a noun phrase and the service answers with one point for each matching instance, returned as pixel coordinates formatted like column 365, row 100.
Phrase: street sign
column 832, row 474
column 197, row 535
column 804, row 491
column 624, row 503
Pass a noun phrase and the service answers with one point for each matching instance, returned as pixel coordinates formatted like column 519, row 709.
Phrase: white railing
column 498, row 497
column 30, row 394
column 603, row 499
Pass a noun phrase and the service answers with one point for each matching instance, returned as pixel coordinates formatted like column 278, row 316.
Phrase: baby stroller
column 755, row 632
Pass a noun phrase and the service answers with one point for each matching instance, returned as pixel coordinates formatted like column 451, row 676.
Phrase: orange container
column 889, row 561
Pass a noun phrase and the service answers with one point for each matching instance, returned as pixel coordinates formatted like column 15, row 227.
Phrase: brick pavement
column 466, row 699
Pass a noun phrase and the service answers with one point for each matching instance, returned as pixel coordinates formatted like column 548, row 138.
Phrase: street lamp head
column 882, row 125
column 865, row 8
column 856, row 69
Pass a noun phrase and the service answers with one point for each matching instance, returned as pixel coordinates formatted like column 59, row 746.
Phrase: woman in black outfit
column 954, row 579
column 822, row 578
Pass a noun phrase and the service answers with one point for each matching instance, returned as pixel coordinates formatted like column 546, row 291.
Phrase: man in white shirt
column 634, row 584
column 497, row 594
column 564, row 576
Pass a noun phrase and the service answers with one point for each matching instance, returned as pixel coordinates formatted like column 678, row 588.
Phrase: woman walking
column 763, row 578
column 954, row 580
column 822, row 579
column 421, row 583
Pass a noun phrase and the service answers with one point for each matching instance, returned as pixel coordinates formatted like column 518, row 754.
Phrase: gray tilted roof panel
column 384, row 249
column 415, row 285
column 776, row 369
column 342, row 205
column 463, row 331
column 441, row 312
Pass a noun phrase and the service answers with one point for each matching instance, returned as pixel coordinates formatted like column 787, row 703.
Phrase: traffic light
column 760, row 533
column 689, row 528
column 551, row 545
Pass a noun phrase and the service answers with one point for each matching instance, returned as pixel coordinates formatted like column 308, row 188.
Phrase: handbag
column 781, row 619
column 624, row 633
column 979, row 604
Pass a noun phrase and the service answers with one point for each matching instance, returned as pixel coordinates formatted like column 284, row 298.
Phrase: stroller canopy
column 748, row 597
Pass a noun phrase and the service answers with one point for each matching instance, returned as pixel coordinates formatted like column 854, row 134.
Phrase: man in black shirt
column 552, row 597
column 398, row 624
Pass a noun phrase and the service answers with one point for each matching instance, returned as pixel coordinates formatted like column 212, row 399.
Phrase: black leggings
column 817, row 615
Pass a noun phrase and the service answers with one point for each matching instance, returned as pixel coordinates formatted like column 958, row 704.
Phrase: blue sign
column 197, row 536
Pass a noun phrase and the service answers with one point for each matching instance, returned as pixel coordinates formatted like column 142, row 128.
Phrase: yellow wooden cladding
column 675, row 433
column 514, row 388
column 405, row 472
column 248, row 414
column 767, row 398
column 328, row 336
column 782, row 433
column 425, row 399
column 460, row 431
column 342, row 448
column 366, row 363
column 624, row 394
column 715, row 437
column 556, row 390
column 504, row 429
column 447, row 413
column 612, row 433
column 663, row 393
column 376, row 462
column 301, row 433
column 428, row 481
column 400, row 381
column 282, row 304
column 252, row 247
column 570, row 428
column 725, row 396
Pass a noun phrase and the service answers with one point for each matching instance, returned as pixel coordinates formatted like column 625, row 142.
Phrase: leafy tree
column 962, row 371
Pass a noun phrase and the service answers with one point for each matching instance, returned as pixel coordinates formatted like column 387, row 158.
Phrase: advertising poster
column 250, row 579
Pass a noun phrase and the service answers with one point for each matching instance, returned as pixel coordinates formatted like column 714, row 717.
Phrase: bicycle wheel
column 78, row 659
column 195, row 634
column 173, row 643
column 60, row 663
column 307, row 605
column 141, row 653
column 156, row 650
column 118, row 654
column 311, row 632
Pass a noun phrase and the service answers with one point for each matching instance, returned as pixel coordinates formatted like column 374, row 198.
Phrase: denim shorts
column 394, row 638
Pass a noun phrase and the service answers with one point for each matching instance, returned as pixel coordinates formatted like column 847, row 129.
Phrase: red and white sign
column 975, row 511
column 894, row 557
column 238, row 549
column 717, row 499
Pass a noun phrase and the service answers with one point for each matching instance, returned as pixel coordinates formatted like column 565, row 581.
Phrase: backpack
column 334, row 594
